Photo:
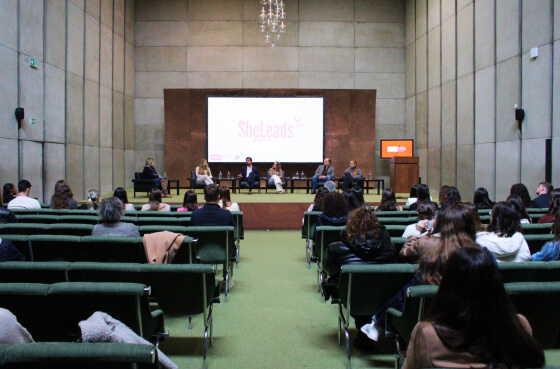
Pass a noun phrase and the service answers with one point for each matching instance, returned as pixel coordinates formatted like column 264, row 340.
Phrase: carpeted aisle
column 274, row 317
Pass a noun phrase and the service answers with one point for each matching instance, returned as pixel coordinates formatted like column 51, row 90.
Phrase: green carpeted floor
column 274, row 317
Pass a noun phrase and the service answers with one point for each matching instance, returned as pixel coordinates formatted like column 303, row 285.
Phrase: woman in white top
column 276, row 176
column 426, row 214
column 203, row 173
column 225, row 200
column 120, row 193
column 155, row 203
column 502, row 237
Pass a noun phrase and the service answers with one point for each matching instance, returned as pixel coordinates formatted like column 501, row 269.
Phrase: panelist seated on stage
column 211, row 214
column 323, row 174
column 203, row 173
column 275, row 176
column 352, row 175
column 249, row 174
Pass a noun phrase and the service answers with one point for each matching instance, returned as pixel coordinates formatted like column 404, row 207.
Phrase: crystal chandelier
column 272, row 21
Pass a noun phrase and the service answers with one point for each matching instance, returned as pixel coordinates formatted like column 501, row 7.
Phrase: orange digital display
column 391, row 148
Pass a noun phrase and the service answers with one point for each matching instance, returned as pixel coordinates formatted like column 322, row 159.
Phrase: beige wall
column 467, row 64
column 82, row 93
column 341, row 44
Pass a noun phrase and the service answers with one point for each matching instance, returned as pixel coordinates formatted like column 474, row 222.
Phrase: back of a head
column 23, row 185
column 473, row 210
column 211, row 193
column 318, row 201
column 190, row 199
column 155, row 199
column 481, row 199
column 504, row 220
column 413, row 191
column 423, row 192
column 330, row 185
column 7, row 190
column 442, row 196
column 472, row 313
column 388, row 201
column 517, row 203
column 359, row 195
column 453, row 196
column 520, row 190
column 554, row 208
column 225, row 196
column 548, row 187
column 350, row 199
column 121, row 194
column 458, row 226
column 334, row 205
column 93, row 197
column 361, row 222
column 62, row 195
column 426, row 210
column 111, row 210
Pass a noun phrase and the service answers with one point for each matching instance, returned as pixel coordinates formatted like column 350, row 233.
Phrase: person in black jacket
column 249, row 174
column 335, row 210
column 150, row 172
column 364, row 241
column 212, row 214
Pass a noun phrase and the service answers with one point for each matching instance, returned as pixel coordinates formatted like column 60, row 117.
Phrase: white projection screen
column 268, row 129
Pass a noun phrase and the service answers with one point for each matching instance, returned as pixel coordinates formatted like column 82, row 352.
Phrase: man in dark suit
column 211, row 214
column 249, row 174
column 543, row 200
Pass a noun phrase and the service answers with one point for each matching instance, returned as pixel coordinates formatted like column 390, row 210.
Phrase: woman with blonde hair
column 275, row 174
column 155, row 203
column 203, row 173
column 92, row 201
column 351, row 176
column 150, row 172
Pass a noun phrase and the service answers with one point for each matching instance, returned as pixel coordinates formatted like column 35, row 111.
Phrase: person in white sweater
column 502, row 237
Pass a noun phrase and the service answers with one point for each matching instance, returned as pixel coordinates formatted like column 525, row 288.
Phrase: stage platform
column 262, row 211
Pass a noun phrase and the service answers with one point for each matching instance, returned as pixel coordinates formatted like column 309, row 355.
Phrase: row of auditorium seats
column 534, row 288
column 70, row 292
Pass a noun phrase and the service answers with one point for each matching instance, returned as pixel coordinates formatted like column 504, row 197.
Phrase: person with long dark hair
column 388, row 201
column 451, row 197
column 423, row 195
column 551, row 250
column 413, row 195
column 155, row 203
column 553, row 212
column 335, row 211
column 457, row 230
column 502, row 237
column 442, row 196
column 189, row 201
column 63, row 196
column 520, row 190
column 225, row 200
column 351, row 176
column 481, row 199
column 472, row 322
column 9, row 193
column 6, row 215
column 120, row 193
column 524, row 217
column 426, row 213
column 354, row 198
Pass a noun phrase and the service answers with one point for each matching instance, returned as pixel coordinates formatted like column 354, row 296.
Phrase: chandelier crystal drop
column 272, row 20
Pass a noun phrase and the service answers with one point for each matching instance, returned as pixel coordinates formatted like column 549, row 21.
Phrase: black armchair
column 143, row 185
column 194, row 184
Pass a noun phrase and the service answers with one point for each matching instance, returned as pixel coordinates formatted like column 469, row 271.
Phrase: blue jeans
column 158, row 181
column 315, row 180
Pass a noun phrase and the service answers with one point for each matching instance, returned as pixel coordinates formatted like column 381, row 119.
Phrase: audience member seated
column 211, row 214
column 426, row 213
column 476, row 217
column 317, row 202
column 150, row 172
column 324, row 173
column 275, row 174
column 10, row 192
column 155, row 203
column 351, row 176
column 330, row 185
column 110, row 214
column 551, row 250
column 63, row 196
column 8, row 252
column 524, row 217
column 413, row 197
column 388, row 201
column 442, row 195
column 6, row 215
column 354, row 199
column 451, row 197
column 553, row 209
column 422, row 195
column 120, row 193
column 12, row 333
column 335, row 211
column 22, row 200
column 543, row 199
column 203, row 173
column 189, row 202
column 92, row 201
column 481, row 199
column 520, row 190
column 502, row 237
column 471, row 322
column 225, row 200
column 457, row 230
column 249, row 174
